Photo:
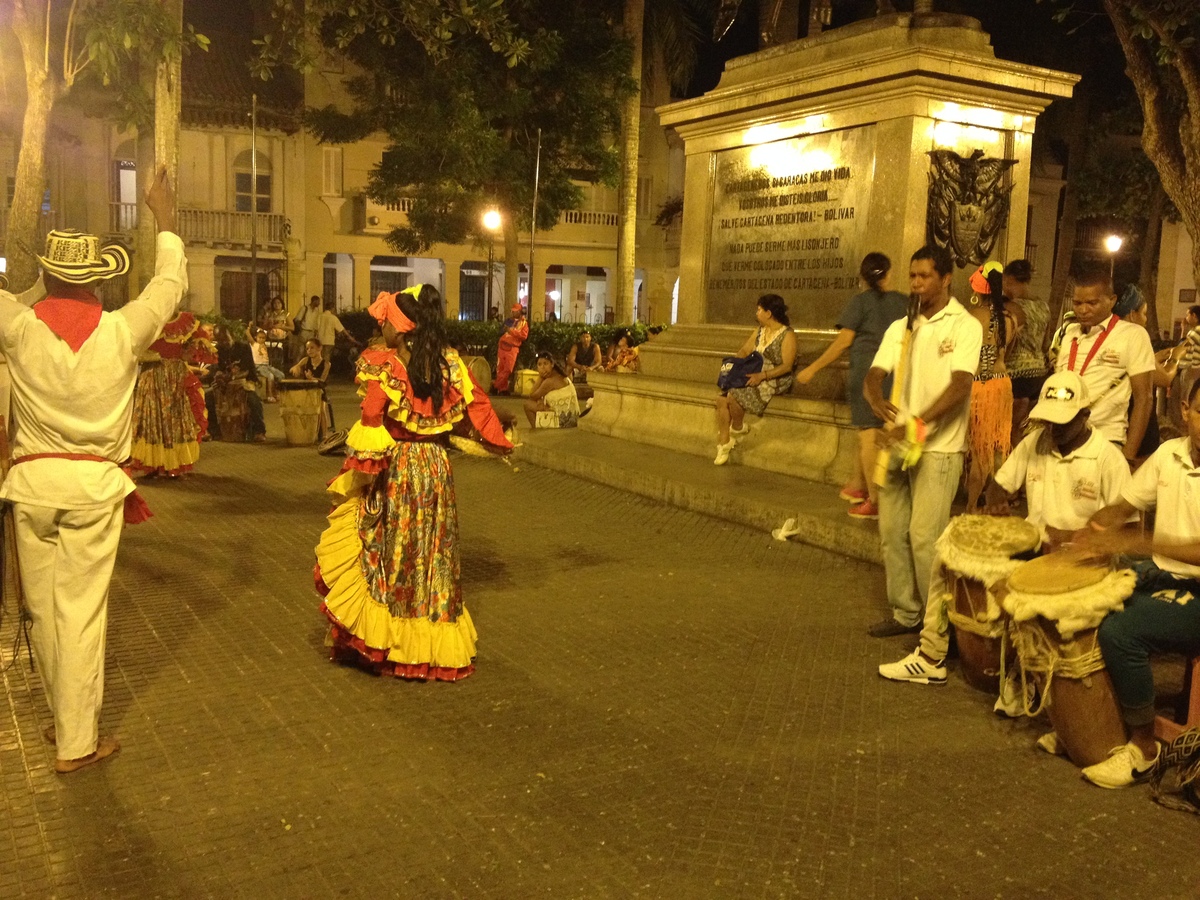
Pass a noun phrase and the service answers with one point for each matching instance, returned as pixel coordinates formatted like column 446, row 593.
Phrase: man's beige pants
column 66, row 558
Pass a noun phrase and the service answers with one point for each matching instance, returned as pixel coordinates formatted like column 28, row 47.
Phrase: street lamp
column 1112, row 244
column 491, row 223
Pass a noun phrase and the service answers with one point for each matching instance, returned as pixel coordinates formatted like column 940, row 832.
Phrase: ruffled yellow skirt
column 388, row 567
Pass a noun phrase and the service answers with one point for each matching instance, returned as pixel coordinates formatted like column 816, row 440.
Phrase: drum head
column 1000, row 536
column 1056, row 573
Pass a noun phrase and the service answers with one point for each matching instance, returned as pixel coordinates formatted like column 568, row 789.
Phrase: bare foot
column 48, row 734
column 105, row 748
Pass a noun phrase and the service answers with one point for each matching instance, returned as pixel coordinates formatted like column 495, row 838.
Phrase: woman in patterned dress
column 169, row 416
column 388, row 564
column 776, row 341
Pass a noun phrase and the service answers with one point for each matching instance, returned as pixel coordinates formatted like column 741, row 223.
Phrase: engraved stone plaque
column 789, row 218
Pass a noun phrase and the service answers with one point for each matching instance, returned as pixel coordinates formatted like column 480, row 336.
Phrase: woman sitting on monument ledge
column 776, row 341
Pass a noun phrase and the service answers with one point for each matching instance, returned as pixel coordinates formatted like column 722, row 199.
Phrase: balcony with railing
column 380, row 218
column 575, row 226
column 215, row 227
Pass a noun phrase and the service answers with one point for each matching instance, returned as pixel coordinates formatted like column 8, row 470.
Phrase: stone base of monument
column 805, row 438
column 671, row 404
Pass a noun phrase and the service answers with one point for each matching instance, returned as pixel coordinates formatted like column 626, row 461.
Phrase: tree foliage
column 462, row 128
column 1158, row 38
column 305, row 28
column 60, row 44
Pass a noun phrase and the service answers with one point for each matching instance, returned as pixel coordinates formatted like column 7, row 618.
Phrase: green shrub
column 482, row 338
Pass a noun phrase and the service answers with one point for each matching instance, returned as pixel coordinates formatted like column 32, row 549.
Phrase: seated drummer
column 1068, row 469
column 1069, row 472
column 1163, row 614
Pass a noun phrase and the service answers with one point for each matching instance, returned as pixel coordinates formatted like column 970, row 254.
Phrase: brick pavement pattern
column 665, row 705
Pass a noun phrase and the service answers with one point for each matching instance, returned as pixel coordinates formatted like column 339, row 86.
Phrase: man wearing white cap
column 73, row 368
column 1069, row 471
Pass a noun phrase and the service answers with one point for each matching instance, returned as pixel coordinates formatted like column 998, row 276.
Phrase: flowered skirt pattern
column 388, row 568
column 169, row 418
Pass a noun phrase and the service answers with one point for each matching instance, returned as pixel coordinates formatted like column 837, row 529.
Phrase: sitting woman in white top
column 553, row 402
column 1069, row 472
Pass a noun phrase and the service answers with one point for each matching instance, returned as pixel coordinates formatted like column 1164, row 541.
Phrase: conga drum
column 481, row 371
column 233, row 410
column 523, row 381
column 978, row 553
column 300, row 404
column 1057, row 603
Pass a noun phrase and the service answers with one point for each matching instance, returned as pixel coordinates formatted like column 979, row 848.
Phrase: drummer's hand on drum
column 1095, row 543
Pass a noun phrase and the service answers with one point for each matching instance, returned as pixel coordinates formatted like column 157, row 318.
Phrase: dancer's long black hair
column 995, row 280
column 427, row 366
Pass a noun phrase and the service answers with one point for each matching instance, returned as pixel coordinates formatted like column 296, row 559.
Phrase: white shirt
column 68, row 402
column 1168, row 482
column 307, row 320
column 1065, row 491
column 1127, row 350
column 946, row 343
column 329, row 326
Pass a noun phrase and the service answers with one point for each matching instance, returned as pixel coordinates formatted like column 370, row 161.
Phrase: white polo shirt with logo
column 1125, row 352
column 947, row 342
column 1170, row 484
column 1065, row 491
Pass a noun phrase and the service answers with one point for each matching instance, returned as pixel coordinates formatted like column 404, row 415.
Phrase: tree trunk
column 1068, row 221
column 155, row 148
column 145, row 235
column 631, row 127
column 1148, row 274
column 25, row 236
column 512, row 265
column 168, row 100
column 1171, row 118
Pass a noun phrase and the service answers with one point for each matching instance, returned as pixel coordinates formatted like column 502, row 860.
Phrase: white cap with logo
column 1063, row 396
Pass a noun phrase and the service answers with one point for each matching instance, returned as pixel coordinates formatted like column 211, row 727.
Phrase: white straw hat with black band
column 78, row 258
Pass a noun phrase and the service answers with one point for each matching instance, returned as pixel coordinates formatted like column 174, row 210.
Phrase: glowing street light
column 1112, row 244
column 491, row 223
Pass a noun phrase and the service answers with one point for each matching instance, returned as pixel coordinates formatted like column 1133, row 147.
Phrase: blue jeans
column 1148, row 624
column 914, row 508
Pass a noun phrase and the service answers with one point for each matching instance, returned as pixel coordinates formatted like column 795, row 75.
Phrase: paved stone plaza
column 665, row 705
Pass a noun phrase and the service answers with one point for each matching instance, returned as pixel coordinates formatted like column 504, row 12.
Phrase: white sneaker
column 741, row 432
column 1125, row 766
column 723, row 451
column 1051, row 744
column 915, row 668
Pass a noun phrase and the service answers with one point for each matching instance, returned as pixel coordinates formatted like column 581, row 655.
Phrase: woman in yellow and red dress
column 388, row 564
column 169, row 417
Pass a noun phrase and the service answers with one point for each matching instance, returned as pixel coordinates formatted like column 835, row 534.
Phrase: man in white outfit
column 73, row 369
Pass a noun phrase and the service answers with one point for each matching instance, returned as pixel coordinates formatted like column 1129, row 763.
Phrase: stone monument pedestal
column 807, row 156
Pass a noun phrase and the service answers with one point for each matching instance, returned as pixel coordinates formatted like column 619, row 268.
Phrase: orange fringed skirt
column 990, row 439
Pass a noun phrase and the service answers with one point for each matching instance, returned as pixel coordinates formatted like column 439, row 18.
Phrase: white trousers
column 66, row 558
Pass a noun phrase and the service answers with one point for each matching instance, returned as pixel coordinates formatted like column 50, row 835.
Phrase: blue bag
column 736, row 370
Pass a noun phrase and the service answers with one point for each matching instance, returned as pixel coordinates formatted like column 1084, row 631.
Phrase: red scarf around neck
column 72, row 315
